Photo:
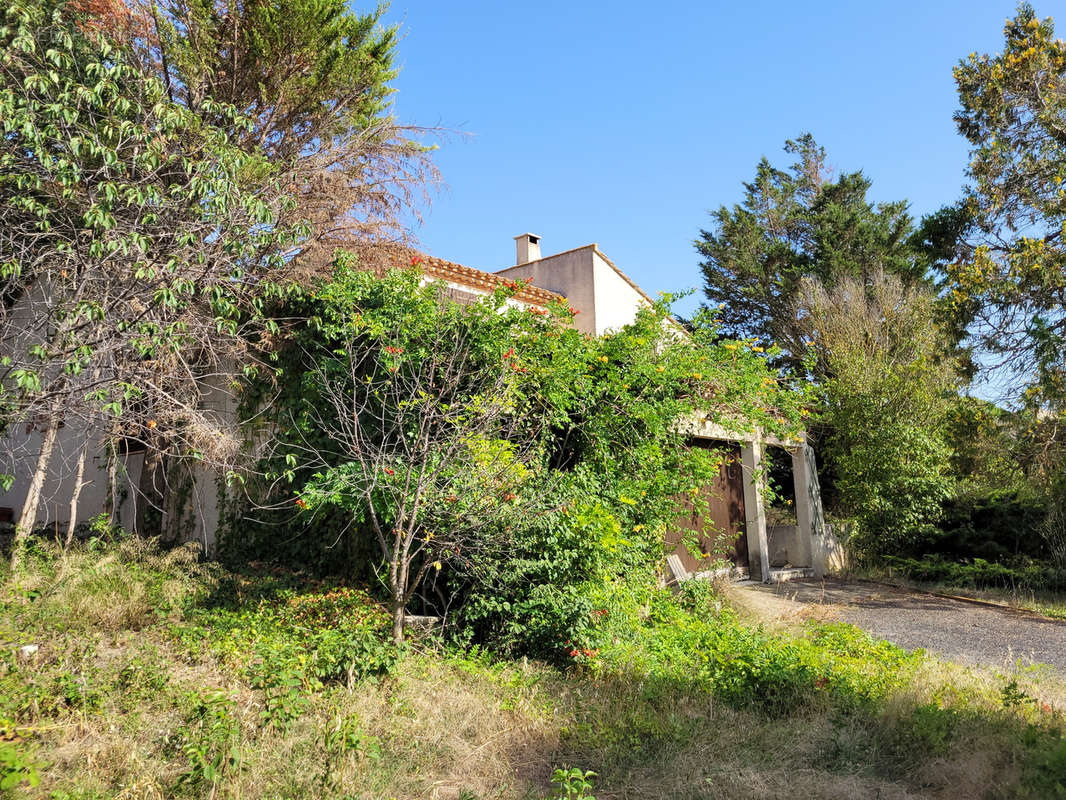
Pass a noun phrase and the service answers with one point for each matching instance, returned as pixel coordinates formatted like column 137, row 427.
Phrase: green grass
column 158, row 676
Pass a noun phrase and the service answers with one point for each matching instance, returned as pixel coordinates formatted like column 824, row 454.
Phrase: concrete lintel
column 704, row 428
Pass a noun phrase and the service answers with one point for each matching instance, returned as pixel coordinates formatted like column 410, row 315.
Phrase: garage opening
column 712, row 528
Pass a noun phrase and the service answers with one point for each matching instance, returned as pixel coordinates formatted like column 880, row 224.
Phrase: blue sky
column 624, row 123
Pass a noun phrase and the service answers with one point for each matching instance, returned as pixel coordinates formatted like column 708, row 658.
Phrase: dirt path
column 964, row 632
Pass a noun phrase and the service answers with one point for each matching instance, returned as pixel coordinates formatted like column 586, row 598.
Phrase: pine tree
column 794, row 224
column 314, row 78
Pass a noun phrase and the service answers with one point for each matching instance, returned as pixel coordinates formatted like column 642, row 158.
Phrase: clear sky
column 623, row 123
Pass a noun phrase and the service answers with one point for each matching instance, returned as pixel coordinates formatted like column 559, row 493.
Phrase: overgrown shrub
column 886, row 396
column 591, row 429
column 995, row 525
column 539, row 599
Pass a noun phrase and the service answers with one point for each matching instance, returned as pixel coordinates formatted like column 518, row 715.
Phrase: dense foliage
column 1011, row 278
column 516, row 464
column 994, row 524
column 1021, row 575
column 314, row 79
column 886, row 399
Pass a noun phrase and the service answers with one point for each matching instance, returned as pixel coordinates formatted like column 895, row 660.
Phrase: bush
column 539, row 599
column 891, row 475
column 980, row 574
column 995, row 525
column 514, row 562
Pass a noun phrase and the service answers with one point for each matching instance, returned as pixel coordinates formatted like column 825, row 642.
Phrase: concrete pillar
column 751, row 456
column 810, row 520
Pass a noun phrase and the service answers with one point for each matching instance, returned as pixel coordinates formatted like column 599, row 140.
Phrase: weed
column 15, row 769
column 1013, row 697
column 289, row 644
column 128, row 586
column 928, row 730
column 830, row 712
column 75, row 692
column 1044, row 775
column 573, row 783
column 211, row 741
column 344, row 736
column 143, row 676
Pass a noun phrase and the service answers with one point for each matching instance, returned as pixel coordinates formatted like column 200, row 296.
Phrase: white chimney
column 528, row 248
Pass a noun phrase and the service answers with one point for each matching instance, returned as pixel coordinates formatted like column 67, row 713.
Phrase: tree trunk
column 398, row 606
column 151, row 490
column 28, row 516
column 176, row 501
column 78, row 484
column 111, row 500
column 397, row 584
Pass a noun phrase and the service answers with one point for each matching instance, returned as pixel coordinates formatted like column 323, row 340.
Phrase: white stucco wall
column 19, row 454
column 22, row 449
column 617, row 301
column 603, row 298
column 19, row 448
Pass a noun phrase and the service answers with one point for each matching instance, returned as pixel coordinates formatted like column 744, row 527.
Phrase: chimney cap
column 532, row 237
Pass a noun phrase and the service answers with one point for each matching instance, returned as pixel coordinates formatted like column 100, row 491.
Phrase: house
column 605, row 299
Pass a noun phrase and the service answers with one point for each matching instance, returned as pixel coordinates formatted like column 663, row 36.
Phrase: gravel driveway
column 968, row 633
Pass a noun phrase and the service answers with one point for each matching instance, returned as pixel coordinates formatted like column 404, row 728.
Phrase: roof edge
column 594, row 246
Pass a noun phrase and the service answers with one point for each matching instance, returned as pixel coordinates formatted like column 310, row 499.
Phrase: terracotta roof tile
column 381, row 257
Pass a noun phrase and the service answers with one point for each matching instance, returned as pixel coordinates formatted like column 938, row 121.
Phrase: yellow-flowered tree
column 1009, row 284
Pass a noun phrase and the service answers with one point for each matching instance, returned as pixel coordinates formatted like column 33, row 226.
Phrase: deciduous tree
column 416, row 398
column 134, row 251
column 886, row 396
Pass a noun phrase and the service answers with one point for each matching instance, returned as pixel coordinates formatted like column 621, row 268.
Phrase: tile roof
column 380, row 257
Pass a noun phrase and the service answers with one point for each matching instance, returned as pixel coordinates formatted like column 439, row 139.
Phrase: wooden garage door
column 720, row 530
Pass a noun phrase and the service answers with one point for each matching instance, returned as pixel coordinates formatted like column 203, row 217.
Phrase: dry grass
column 111, row 591
column 446, row 727
column 775, row 611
